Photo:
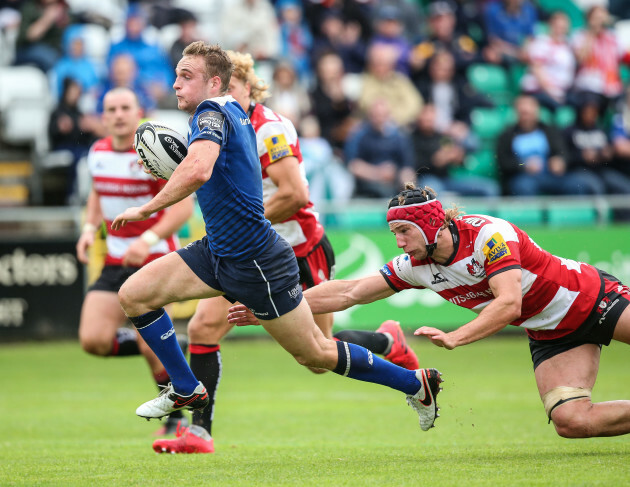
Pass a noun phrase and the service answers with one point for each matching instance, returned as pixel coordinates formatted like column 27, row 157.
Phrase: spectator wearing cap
column 443, row 36
column 509, row 24
column 389, row 30
column 150, row 59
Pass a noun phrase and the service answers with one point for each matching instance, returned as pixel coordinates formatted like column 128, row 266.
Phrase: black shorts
column 318, row 266
column 267, row 284
column 598, row 328
column 112, row 278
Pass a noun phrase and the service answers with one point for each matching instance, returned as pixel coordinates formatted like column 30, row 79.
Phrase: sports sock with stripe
column 359, row 363
column 205, row 362
column 157, row 330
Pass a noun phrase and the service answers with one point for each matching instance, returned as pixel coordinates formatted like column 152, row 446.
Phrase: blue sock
column 157, row 330
column 359, row 363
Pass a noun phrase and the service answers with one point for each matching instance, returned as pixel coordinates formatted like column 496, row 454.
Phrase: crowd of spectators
column 380, row 90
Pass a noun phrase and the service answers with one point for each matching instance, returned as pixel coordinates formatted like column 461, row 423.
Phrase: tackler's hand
column 437, row 337
column 240, row 315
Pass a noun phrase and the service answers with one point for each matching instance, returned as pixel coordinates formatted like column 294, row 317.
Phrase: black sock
column 374, row 342
column 125, row 343
column 205, row 363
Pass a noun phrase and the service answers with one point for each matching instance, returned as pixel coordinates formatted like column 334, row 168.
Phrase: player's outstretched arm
column 502, row 310
column 328, row 297
column 342, row 294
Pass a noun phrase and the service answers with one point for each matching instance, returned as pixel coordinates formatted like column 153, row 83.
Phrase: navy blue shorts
column 112, row 278
column 268, row 284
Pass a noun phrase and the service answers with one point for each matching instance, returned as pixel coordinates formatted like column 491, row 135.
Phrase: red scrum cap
column 421, row 208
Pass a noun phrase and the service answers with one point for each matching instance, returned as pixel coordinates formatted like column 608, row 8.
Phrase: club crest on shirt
column 495, row 248
column 475, row 269
column 277, row 147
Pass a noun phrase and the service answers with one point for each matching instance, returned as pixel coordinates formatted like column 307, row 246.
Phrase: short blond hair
column 244, row 70
column 217, row 61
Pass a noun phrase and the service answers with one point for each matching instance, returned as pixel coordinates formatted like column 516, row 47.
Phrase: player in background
column 292, row 215
column 490, row 266
column 117, row 183
column 241, row 257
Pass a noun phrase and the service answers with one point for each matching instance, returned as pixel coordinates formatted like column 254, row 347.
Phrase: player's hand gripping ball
column 160, row 147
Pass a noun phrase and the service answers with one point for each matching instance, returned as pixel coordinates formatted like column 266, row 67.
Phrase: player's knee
column 130, row 297
column 95, row 346
column 572, row 419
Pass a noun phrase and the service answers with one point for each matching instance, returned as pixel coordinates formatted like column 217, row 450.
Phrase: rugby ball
column 160, row 147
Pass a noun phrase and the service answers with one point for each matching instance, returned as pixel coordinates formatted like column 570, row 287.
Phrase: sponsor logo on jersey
column 475, row 269
column 495, row 248
column 277, row 147
column 438, row 278
column 210, row 122
column 385, row 270
column 461, row 298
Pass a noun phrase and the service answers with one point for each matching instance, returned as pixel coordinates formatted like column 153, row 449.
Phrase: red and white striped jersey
column 276, row 138
column 121, row 183
column 558, row 294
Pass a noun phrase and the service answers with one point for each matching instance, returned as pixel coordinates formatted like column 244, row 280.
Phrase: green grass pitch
column 68, row 419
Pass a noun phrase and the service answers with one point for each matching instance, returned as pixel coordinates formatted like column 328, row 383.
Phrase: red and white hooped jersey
column 121, row 183
column 276, row 138
column 558, row 293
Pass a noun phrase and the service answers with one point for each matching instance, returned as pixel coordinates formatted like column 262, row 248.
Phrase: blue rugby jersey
column 231, row 200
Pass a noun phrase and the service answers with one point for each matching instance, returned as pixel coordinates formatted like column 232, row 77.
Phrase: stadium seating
column 492, row 81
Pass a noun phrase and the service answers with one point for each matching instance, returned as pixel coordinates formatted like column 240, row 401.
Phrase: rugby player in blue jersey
column 241, row 257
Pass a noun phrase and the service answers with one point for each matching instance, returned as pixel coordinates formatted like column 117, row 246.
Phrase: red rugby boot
column 400, row 353
column 186, row 442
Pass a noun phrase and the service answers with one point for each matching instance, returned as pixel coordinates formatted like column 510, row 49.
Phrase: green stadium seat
column 481, row 163
column 487, row 123
column 517, row 71
column 491, row 80
column 546, row 116
column 565, row 116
